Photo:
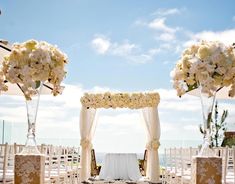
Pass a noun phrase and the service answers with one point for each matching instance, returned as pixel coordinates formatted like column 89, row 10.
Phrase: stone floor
column 115, row 182
column 95, row 181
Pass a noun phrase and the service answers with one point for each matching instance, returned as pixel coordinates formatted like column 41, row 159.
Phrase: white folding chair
column 172, row 170
column 6, row 172
column 229, row 175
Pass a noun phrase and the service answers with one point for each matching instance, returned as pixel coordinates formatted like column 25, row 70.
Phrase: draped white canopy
column 148, row 102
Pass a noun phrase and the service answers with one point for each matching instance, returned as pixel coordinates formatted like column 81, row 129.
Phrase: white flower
column 109, row 100
column 209, row 64
column 34, row 61
column 203, row 52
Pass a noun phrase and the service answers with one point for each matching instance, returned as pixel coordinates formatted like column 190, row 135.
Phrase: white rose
column 203, row 52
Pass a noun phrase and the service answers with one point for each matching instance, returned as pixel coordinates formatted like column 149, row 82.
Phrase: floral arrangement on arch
column 31, row 63
column 120, row 100
column 210, row 65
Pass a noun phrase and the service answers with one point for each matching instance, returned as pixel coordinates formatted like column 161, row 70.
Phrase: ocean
column 12, row 135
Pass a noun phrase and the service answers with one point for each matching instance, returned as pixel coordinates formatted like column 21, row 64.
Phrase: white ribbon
column 85, row 143
column 153, row 145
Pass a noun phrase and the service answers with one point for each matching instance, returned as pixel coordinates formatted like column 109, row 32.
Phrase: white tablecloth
column 120, row 166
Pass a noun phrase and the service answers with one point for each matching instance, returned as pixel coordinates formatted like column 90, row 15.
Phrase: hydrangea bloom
column 32, row 62
column 120, row 100
column 209, row 64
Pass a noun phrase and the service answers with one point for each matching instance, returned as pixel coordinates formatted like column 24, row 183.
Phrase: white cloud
column 191, row 127
column 71, row 96
column 100, row 44
column 160, row 13
column 154, row 51
column 98, row 89
column 167, row 127
column 159, row 24
column 180, row 105
column 113, row 129
column 165, row 37
column 171, row 102
column 225, row 36
column 163, row 31
column 170, row 94
column 58, row 119
column 166, row 62
column 140, row 23
column 123, row 49
column 129, row 51
column 166, row 12
column 120, row 121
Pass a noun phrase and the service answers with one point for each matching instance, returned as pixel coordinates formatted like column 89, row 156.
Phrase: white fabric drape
column 120, row 166
column 87, row 130
column 151, row 119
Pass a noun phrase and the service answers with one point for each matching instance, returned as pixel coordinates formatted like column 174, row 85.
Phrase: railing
column 178, row 162
column 61, row 163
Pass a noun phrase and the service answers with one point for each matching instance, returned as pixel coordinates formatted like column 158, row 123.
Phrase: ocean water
column 164, row 144
column 11, row 135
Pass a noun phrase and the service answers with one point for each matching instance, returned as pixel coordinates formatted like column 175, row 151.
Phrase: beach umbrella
column 221, row 94
column 13, row 89
column 5, row 49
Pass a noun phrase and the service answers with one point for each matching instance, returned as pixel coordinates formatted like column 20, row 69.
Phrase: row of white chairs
column 61, row 163
column 178, row 162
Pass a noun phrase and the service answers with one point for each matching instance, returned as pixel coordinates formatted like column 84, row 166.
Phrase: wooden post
column 29, row 169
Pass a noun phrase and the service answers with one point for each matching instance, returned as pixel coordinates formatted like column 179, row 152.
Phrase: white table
column 120, row 166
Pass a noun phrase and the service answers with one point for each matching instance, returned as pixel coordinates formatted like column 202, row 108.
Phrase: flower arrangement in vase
column 32, row 65
column 209, row 66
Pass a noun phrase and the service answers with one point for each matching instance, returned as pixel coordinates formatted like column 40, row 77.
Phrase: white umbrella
column 13, row 89
column 5, row 49
column 221, row 94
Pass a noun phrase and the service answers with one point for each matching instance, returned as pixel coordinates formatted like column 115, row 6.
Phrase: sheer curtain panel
column 87, row 130
column 152, row 124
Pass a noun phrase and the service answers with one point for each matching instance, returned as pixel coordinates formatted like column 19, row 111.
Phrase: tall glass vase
column 207, row 103
column 30, row 147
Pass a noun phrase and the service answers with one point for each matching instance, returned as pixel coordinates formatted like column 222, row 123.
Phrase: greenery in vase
column 218, row 126
column 230, row 142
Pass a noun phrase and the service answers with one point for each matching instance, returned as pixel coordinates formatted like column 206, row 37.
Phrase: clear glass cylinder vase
column 207, row 103
column 30, row 147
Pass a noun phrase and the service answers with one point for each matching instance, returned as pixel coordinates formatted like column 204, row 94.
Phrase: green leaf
column 224, row 116
column 192, row 87
column 201, row 129
column 38, row 83
column 209, row 117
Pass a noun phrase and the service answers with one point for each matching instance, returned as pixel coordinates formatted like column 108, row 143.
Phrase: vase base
column 206, row 152
column 30, row 147
column 30, row 150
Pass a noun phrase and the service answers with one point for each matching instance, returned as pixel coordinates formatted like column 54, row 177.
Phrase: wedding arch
column 148, row 102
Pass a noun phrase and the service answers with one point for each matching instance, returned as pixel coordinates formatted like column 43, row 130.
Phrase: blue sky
column 124, row 45
column 73, row 25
